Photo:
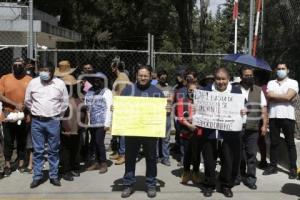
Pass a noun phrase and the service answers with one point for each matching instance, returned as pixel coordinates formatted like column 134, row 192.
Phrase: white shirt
column 282, row 110
column 46, row 100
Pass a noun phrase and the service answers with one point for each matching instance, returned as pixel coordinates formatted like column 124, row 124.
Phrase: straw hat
column 70, row 80
column 64, row 68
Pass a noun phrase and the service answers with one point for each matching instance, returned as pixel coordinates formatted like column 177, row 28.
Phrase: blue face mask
column 45, row 76
column 281, row 74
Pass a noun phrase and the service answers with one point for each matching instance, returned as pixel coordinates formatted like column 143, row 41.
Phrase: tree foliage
column 181, row 26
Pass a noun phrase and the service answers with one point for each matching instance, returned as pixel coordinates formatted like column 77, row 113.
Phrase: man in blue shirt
column 142, row 88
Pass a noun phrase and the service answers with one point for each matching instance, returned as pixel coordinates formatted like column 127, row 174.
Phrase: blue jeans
column 122, row 145
column 164, row 143
column 133, row 145
column 46, row 131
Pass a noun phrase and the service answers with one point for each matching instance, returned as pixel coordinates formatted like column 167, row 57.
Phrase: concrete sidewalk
column 92, row 185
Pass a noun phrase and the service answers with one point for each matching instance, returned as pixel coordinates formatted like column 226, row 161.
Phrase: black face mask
column 18, row 70
column 249, row 81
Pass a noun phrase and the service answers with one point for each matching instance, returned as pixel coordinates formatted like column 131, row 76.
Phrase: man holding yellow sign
column 141, row 119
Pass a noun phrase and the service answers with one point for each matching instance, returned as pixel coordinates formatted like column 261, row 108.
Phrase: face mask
column 281, row 74
column 45, row 76
column 18, row 70
column 249, row 81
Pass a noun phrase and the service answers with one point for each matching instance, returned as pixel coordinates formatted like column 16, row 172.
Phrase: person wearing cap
column 207, row 80
column 70, row 132
column 64, row 68
column 98, row 101
column 47, row 99
column 12, row 94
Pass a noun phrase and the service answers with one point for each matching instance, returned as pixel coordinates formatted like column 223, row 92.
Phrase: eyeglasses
column 281, row 68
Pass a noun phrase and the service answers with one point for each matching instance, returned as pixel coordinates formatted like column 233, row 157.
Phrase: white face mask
column 281, row 73
column 45, row 76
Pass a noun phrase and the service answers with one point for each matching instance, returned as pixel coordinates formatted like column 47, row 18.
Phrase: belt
column 41, row 118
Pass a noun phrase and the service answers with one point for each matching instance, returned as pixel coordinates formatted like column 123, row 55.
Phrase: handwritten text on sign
column 139, row 116
column 219, row 111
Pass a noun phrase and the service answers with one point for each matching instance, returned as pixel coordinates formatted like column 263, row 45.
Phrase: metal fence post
column 30, row 30
column 149, row 49
column 152, row 53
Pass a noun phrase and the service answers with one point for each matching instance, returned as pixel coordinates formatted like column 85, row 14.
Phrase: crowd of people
column 51, row 110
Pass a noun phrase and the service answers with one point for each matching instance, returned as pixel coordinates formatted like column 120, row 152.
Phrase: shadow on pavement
column 140, row 184
column 291, row 189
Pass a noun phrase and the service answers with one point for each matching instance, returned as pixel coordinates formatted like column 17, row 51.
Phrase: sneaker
column 166, row 162
column 151, row 192
column 196, row 178
column 94, row 166
column 103, row 168
column 7, row 171
column 127, row 191
column 270, row 170
column 185, row 177
column 120, row 161
column 114, row 156
column 293, row 174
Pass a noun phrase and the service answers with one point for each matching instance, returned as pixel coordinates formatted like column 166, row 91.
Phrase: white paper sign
column 218, row 111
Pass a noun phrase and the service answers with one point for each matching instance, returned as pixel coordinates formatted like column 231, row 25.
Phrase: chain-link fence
column 6, row 56
column 203, row 64
column 100, row 59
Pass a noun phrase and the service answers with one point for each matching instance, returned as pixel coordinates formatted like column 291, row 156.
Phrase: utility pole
column 251, row 23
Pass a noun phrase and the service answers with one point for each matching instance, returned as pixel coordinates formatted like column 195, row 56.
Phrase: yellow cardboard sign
column 139, row 116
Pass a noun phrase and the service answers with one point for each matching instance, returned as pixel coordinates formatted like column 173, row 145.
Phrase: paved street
column 92, row 185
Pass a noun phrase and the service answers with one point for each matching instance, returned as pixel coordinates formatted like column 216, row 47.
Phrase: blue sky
column 213, row 4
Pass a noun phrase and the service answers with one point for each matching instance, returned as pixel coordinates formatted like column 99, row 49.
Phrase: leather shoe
column 127, row 191
column 35, row 183
column 75, row 173
column 270, row 170
column 208, row 192
column 68, row 177
column 251, row 186
column 55, row 181
column 227, row 192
